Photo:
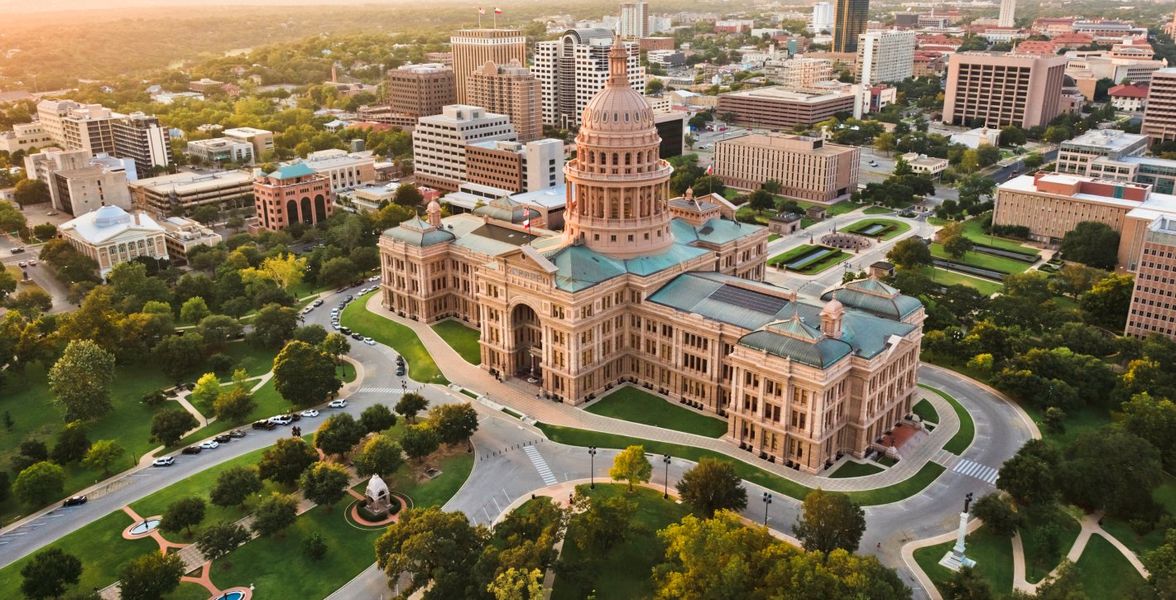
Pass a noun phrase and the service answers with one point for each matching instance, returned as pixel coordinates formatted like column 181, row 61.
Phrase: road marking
column 380, row 390
column 974, row 469
column 540, row 465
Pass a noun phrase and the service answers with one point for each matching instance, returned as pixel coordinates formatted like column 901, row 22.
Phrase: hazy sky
column 58, row 5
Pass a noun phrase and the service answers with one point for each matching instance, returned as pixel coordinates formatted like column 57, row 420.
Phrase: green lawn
column 256, row 361
column 897, row 227
column 1042, row 554
column 1106, row 573
column 462, row 338
column 267, row 402
column 925, row 411
column 840, row 208
column 773, row 237
column 894, row 493
column 979, row 259
column 945, row 277
column 993, row 555
column 813, row 268
column 1165, row 495
column 963, row 438
column 625, row 571
column 637, row 405
column 850, row 469
column 420, row 364
column 878, row 210
column 976, row 233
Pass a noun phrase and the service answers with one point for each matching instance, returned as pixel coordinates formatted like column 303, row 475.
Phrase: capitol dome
column 110, row 215
column 618, row 107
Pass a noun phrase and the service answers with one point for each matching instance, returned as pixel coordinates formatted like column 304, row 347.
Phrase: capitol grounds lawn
column 975, row 232
column 637, row 405
column 626, row 570
column 1106, row 573
column 582, row 437
column 976, row 258
column 1165, row 495
column 878, row 210
column 1041, row 556
column 462, row 338
column 390, row 333
column 850, row 469
column 993, row 555
column 963, row 438
column 945, row 277
column 898, row 227
column 925, row 411
column 781, row 260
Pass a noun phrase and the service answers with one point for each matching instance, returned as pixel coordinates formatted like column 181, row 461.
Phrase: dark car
column 356, row 336
column 345, row 330
column 293, row 416
column 237, row 433
column 75, row 501
column 264, row 424
column 400, row 371
column 191, row 450
column 223, row 438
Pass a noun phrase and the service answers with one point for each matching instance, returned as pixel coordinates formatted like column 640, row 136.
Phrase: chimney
column 135, row 215
column 831, row 317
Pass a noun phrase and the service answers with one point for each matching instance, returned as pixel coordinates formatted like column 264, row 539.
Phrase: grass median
column 637, row 405
column 404, row 340
column 963, row 438
column 462, row 338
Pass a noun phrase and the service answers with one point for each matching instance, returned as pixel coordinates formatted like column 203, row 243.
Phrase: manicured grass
column 1165, row 495
column 851, row 469
column 256, row 361
column 790, row 255
column 825, row 263
column 894, row 493
column 925, row 411
column 1042, row 556
column 420, row 364
column 782, row 259
column 976, row 233
column 979, row 259
column 897, row 227
column 993, row 555
column 773, row 237
column 878, row 210
column 625, row 571
column 963, row 438
column 637, row 405
column 462, row 338
column 1106, row 573
column 267, row 402
column 840, row 208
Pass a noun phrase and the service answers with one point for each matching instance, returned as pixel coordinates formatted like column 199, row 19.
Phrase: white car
column 163, row 461
column 338, row 403
column 32, row 262
column 335, row 324
column 210, row 445
column 310, row 412
column 281, row 420
column 374, row 278
column 369, row 341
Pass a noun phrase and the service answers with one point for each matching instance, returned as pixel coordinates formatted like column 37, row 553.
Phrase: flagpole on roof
column 480, row 11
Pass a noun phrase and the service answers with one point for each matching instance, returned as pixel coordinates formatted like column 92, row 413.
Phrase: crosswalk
column 540, row 465
column 381, row 390
column 974, row 469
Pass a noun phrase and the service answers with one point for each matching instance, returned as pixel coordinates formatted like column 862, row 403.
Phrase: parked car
column 22, row 264
column 32, row 262
column 17, row 250
column 374, row 278
column 335, row 325
column 400, row 371
column 281, row 420
column 223, row 438
column 163, row 461
column 265, row 424
column 369, row 341
column 191, row 450
column 338, row 403
column 345, row 330
column 310, row 412
column 75, row 501
column 237, row 433
column 357, row 337
column 317, row 303
column 210, row 445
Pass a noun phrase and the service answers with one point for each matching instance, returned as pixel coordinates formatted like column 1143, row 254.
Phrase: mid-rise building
column 1075, row 155
column 995, row 89
column 799, row 73
column 777, row 107
column 1008, row 13
column 111, row 236
column 142, row 139
column 511, row 90
column 221, row 150
column 25, row 137
column 439, row 143
column 1159, row 117
column 292, row 194
column 1151, row 310
column 345, row 170
column 1128, row 97
column 99, row 130
column 806, row 168
column 181, row 193
column 849, row 21
column 515, row 166
column 182, row 235
column 885, row 56
column 473, row 48
column 574, row 68
column 822, row 19
column 85, row 189
column 1088, row 68
column 262, row 140
column 416, row 91
column 634, row 21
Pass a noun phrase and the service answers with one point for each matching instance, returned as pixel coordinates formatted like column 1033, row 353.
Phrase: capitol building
column 663, row 293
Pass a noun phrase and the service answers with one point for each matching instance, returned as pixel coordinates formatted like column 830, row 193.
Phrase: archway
column 291, row 212
column 527, row 335
column 306, row 211
column 320, row 209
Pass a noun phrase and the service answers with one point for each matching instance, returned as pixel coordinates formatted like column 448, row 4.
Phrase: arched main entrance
column 527, row 337
column 291, row 212
column 307, row 215
column 320, row 208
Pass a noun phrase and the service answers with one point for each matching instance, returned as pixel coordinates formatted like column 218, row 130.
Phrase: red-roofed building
column 1131, row 97
column 1072, row 40
column 937, row 43
column 1052, row 26
column 930, row 64
column 1038, row 47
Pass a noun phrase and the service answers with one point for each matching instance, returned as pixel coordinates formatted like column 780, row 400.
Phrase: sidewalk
column 459, row 372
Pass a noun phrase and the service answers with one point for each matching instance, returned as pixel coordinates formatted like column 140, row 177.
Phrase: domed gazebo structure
column 377, row 497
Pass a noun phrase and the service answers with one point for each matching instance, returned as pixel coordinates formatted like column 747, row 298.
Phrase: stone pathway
column 459, row 372
column 1090, row 527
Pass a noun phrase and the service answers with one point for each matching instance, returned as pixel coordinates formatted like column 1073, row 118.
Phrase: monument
column 955, row 558
column 377, row 500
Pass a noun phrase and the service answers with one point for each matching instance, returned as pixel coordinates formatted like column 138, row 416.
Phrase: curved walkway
column 1090, row 527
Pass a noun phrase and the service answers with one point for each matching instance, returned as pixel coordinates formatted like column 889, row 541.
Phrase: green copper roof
column 875, row 297
column 713, row 231
column 817, row 353
column 418, row 232
column 581, row 268
column 292, row 171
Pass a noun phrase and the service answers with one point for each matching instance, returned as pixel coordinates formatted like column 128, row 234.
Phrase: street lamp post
column 592, row 467
column 767, row 503
column 666, row 492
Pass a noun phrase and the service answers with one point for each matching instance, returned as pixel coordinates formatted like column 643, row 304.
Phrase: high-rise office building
column 805, row 167
column 416, row 91
column 634, row 21
column 99, row 130
column 822, row 17
column 439, row 143
column 849, row 21
column 993, row 90
column 511, row 90
column 473, row 47
column 1008, row 8
column 574, row 68
column 1159, row 117
column 142, row 139
column 885, row 56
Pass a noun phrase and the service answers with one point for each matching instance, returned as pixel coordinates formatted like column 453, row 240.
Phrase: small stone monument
column 955, row 558
column 377, row 499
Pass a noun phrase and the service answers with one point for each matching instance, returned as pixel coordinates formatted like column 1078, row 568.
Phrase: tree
column 1161, row 566
column 712, row 485
column 376, row 417
column 12, row 220
column 1108, row 300
column 1029, row 475
column 1092, row 243
column 233, row 405
column 379, row 455
column 39, row 484
column 338, row 272
column 885, row 142
column 31, row 451
column 432, row 547
column 30, row 191
column 184, row 513
column 170, row 424
column 997, row 515
column 517, row 584
column 179, row 355
column 72, row 444
column 454, row 423
column 102, row 455
column 910, row 253
column 336, row 345
column 218, row 330
column 829, row 521
column 217, row 541
column 285, row 461
column 410, row 405
column 631, row 466
column 234, row 486
column 338, row 435
column 1154, row 420
column 286, row 270
column 194, row 310
column 1032, row 161
column 419, row 441
column 206, row 391
column 1112, row 470
column 80, row 380
column 49, row 573
column 324, row 483
column 315, row 548
column 1012, row 136
column 408, row 195
column 273, row 325
column 708, row 184
column 304, row 375
column 275, row 513
column 966, row 584
column 151, row 576
column 313, row 334
column 953, row 240
column 761, row 200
